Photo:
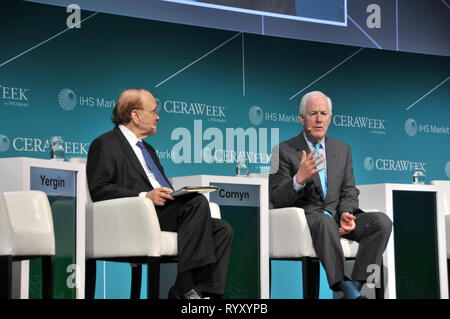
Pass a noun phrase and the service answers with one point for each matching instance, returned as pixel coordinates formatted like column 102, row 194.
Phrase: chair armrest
column 31, row 221
column 447, row 232
column 372, row 210
column 289, row 233
column 122, row 227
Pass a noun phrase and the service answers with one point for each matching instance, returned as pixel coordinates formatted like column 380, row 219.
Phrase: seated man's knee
column 200, row 200
column 382, row 221
column 228, row 230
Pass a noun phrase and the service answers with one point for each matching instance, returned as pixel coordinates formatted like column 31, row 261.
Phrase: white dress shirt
column 132, row 139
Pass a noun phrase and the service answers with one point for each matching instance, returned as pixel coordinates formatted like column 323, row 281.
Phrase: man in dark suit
column 121, row 164
column 315, row 172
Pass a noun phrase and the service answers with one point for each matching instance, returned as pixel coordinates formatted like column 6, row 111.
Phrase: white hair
column 304, row 101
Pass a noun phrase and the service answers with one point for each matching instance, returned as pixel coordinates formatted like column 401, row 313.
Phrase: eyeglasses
column 154, row 112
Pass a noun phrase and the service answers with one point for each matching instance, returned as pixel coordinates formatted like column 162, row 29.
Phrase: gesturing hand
column 159, row 195
column 308, row 166
column 347, row 223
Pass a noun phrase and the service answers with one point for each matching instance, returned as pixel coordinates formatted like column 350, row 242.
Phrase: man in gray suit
column 314, row 172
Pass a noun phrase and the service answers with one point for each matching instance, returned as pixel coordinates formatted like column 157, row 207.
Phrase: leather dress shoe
column 191, row 294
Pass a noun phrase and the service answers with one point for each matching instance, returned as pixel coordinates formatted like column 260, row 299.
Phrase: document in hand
column 193, row 189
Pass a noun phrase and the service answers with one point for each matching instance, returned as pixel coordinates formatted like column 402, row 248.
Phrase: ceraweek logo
column 68, row 100
column 412, row 128
column 386, row 164
column 214, row 113
column 14, row 96
column 376, row 126
column 33, row 144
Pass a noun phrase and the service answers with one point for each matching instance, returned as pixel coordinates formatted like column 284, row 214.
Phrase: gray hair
column 304, row 101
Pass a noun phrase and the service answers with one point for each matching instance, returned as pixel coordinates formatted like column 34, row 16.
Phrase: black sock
column 184, row 282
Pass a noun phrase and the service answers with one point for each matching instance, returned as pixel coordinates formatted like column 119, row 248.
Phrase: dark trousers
column 372, row 232
column 204, row 243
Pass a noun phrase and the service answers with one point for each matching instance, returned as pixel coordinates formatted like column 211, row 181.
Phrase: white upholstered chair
column 290, row 239
column 445, row 187
column 26, row 232
column 127, row 230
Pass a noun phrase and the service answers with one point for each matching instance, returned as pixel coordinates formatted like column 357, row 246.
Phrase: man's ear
column 134, row 116
column 301, row 119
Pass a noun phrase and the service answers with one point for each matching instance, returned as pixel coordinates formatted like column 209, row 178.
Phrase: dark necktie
column 152, row 165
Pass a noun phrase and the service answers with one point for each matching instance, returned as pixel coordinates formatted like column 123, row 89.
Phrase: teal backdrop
column 391, row 107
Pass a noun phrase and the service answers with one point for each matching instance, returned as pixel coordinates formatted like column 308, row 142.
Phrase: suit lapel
column 130, row 155
column 331, row 154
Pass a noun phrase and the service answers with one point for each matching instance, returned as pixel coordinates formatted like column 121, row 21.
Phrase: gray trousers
column 372, row 232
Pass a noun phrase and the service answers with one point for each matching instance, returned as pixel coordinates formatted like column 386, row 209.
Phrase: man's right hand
column 159, row 195
column 308, row 166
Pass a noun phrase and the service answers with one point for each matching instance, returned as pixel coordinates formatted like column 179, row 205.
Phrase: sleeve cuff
column 297, row 186
column 142, row 194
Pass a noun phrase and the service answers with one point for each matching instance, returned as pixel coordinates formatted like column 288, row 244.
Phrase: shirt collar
column 311, row 145
column 129, row 135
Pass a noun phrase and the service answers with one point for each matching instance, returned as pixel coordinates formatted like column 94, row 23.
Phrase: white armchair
column 128, row 230
column 445, row 187
column 290, row 239
column 26, row 232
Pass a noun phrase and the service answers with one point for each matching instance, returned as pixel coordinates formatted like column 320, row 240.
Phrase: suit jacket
column 113, row 169
column 342, row 194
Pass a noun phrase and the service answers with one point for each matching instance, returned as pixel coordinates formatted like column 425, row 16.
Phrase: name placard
column 52, row 181
column 235, row 195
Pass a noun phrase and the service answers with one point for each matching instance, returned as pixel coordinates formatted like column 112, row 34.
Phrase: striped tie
column 322, row 173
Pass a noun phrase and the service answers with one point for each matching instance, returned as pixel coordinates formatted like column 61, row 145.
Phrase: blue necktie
column 151, row 164
column 322, row 173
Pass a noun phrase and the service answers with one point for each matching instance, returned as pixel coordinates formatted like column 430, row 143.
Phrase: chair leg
column 5, row 277
column 311, row 278
column 136, row 279
column 153, row 270
column 379, row 292
column 448, row 275
column 47, row 277
column 90, row 278
column 270, row 278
